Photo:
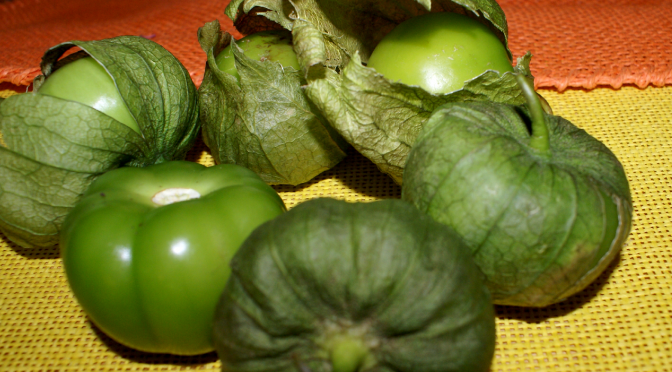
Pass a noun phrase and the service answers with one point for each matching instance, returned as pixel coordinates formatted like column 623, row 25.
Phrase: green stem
column 539, row 138
column 348, row 355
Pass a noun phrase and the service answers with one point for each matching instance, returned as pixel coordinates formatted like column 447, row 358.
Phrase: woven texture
column 591, row 43
column 29, row 27
column 621, row 322
column 575, row 43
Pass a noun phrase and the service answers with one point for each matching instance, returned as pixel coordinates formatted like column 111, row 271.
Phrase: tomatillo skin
column 272, row 45
column 86, row 81
column 146, row 251
column 439, row 52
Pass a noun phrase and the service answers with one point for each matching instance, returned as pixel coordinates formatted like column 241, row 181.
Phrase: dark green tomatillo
column 146, row 251
column 544, row 206
column 332, row 286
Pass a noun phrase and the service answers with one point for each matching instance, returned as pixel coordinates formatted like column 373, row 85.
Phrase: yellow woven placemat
column 622, row 322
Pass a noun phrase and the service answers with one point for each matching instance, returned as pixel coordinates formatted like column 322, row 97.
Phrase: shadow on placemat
column 354, row 174
column 541, row 314
column 32, row 253
column 137, row 356
column 363, row 176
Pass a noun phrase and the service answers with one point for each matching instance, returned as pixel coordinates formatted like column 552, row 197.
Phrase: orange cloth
column 29, row 27
column 590, row 43
column 575, row 43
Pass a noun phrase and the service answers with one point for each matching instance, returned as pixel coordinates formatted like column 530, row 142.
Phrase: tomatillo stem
column 348, row 355
column 539, row 138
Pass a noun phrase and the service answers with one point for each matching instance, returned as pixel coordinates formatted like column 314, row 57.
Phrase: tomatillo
column 146, row 251
column 86, row 81
column 272, row 45
column 439, row 52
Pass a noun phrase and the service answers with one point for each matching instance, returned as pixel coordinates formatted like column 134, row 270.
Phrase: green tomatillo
column 124, row 101
column 332, row 286
column 254, row 111
column 350, row 50
column 146, row 251
column 439, row 52
column 86, row 81
column 544, row 206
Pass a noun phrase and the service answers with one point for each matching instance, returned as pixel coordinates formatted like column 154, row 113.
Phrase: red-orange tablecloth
column 575, row 43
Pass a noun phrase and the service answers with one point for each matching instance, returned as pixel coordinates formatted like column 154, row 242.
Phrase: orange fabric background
column 591, row 43
column 29, row 27
column 575, row 43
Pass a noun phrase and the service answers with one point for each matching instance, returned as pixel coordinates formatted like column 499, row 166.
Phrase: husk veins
column 541, row 226
column 333, row 40
column 330, row 275
column 265, row 122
